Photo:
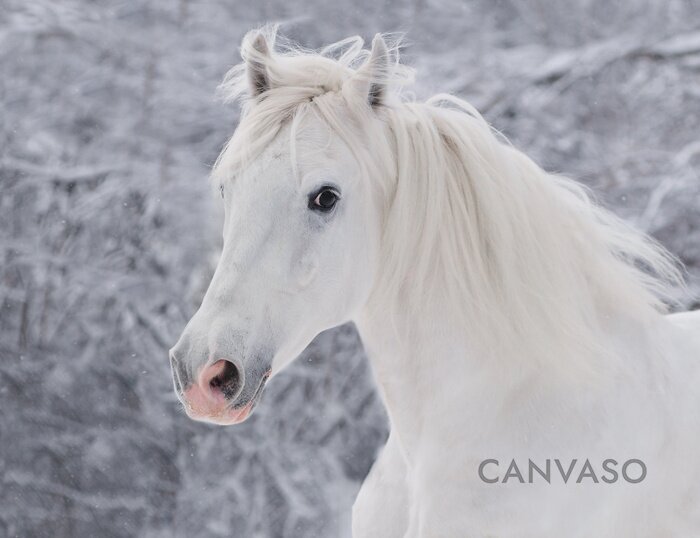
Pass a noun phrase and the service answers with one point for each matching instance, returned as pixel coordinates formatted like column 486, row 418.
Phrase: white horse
column 516, row 330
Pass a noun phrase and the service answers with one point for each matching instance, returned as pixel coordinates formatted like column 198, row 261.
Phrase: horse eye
column 221, row 190
column 324, row 200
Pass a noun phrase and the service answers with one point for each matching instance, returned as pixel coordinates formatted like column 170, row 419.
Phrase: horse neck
column 413, row 357
column 432, row 379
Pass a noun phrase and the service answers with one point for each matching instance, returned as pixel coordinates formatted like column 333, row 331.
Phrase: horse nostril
column 228, row 381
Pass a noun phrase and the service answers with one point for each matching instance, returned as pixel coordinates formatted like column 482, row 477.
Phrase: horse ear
column 370, row 80
column 256, row 60
column 378, row 64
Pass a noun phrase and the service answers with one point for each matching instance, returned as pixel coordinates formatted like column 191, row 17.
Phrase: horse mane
column 523, row 260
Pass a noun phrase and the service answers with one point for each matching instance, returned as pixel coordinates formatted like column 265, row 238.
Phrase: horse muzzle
column 221, row 394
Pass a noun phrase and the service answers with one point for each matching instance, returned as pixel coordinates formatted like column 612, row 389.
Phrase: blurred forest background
column 108, row 127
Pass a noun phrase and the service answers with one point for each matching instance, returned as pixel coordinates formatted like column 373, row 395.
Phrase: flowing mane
column 523, row 259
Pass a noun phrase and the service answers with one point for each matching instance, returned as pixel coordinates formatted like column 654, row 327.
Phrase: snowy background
column 108, row 127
